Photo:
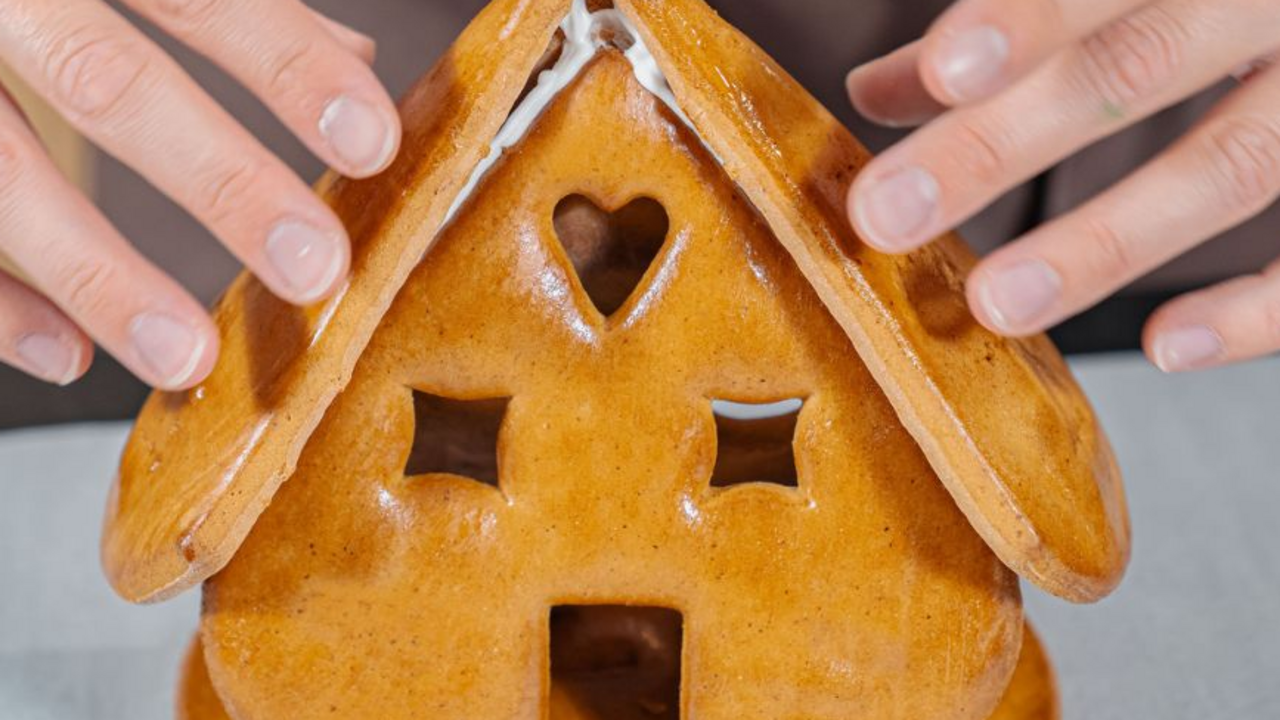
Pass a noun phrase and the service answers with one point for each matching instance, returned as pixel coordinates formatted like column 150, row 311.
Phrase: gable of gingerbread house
column 1001, row 421
column 515, row 449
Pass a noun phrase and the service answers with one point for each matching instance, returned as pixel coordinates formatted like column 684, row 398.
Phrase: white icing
column 749, row 411
column 642, row 61
column 585, row 34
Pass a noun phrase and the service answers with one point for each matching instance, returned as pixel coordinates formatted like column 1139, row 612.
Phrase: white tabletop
column 1194, row 632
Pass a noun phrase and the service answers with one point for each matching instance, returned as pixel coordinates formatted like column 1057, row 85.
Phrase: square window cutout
column 756, row 443
column 456, row 437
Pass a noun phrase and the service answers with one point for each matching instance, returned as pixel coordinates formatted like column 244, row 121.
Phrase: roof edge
column 180, row 510
column 906, row 314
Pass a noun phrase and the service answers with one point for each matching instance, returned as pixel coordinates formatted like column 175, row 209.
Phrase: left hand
column 1011, row 87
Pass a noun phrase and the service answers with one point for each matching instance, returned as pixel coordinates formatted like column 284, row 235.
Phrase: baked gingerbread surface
column 404, row 566
column 861, row 593
column 1002, row 421
column 202, row 465
column 607, row 692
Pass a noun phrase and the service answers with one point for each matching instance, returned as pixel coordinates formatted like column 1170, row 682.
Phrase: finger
column 122, row 92
column 359, row 44
column 36, row 338
column 979, row 47
column 888, row 91
column 1247, row 71
column 327, row 95
column 1229, row 322
column 71, row 254
column 1225, row 171
column 947, row 171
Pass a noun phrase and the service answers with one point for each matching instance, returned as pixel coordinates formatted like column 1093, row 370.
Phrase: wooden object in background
column 69, row 150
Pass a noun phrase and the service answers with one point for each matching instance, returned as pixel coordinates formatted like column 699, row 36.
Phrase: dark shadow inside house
column 611, row 251
column 613, row 662
column 456, row 437
column 755, row 443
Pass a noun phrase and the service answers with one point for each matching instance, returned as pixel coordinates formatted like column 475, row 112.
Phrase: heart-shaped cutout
column 611, row 251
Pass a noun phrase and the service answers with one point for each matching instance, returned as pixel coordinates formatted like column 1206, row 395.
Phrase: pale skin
column 74, row 280
column 1003, row 88
column 1007, row 88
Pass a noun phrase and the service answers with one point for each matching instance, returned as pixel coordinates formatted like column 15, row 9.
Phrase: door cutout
column 615, row 662
column 611, row 251
column 456, row 437
column 755, row 443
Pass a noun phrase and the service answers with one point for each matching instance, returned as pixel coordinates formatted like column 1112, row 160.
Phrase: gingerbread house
column 616, row 417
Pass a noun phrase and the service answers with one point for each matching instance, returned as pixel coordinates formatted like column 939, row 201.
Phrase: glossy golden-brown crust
column 196, row 699
column 1032, row 693
column 202, row 465
column 862, row 594
column 1002, row 421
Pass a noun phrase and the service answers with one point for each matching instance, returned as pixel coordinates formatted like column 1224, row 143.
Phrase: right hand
column 67, row 277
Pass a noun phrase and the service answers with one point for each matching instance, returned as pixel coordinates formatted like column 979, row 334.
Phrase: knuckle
column 227, row 191
column 1257, row 321
column 1271, row 321
column 286, row 72
column 1112, row 252
column 1255, row 8
column 364, row 47
column 1244, row 161
column 92, row 70
column 14, row 157
column 1133, row 58
column 84, row 286
column 981, row 153
column 186, row 14
column 1051, row 17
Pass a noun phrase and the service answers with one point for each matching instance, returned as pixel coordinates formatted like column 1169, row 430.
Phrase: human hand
column 1010, row 87
column 72, row 276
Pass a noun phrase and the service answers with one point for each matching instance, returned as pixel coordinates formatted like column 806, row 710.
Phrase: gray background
column 1192, row 634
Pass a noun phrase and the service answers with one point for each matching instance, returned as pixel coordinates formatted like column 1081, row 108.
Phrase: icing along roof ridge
column 585, row 33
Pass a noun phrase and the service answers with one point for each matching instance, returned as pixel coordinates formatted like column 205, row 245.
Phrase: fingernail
column 49, row 358
column 359, row 134
column 1188, row 349
column 874, row 114
column 306, row 259
column 971, row 63
column 1015, row 297
column 167, row 347
column 851, row 78
column 894, row 210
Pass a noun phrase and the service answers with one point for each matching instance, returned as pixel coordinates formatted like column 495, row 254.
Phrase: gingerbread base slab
column 1033, row 691
column 197, row 700
column 1032, row 694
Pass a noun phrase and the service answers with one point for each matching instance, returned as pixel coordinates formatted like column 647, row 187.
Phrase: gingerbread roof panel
column 1002, row 420
column 201, row 465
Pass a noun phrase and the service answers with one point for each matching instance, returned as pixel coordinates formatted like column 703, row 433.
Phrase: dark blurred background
column 817, row 40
